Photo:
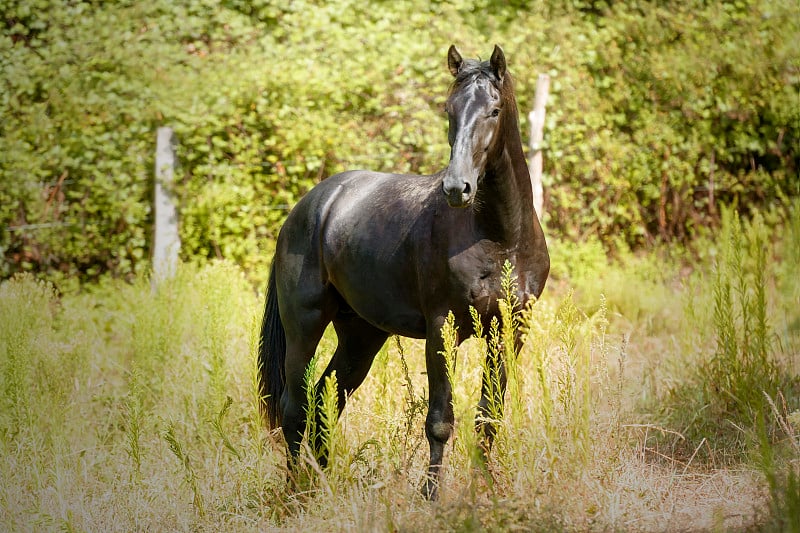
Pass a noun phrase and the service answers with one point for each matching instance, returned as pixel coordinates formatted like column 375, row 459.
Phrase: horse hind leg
column 358, row 343
column 301, row 344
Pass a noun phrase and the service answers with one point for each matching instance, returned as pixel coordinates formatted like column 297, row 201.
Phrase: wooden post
column 712, row 206
column 166, row 242
column 536, row 118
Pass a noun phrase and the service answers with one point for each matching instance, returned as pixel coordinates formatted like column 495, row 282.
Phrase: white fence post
column 536, row 118
column 167, row 243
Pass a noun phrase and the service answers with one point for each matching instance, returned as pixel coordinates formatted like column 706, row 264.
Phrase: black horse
column 380, row 254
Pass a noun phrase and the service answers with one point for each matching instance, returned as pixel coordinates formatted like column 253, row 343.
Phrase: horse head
column 475, row 109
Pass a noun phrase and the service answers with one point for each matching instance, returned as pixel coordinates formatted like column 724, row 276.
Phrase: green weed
column 403, row 443
column 314, row 432
column 331, row 438
column 782, row 476
column 189, row 473
column 135, row 414
column 218, row 424
column 722, row 397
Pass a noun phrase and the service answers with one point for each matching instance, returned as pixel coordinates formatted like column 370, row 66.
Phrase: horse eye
column 495, row 112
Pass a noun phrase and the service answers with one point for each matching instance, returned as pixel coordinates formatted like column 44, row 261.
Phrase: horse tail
column 271, row 356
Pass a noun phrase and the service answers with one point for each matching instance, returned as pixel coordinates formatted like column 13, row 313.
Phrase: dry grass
column 128, row 410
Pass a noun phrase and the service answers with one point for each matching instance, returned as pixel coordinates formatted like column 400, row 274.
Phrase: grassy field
column 652, row 394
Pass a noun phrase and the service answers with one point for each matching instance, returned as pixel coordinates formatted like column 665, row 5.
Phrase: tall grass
column 544, row 434
column 779, row 452
column 721, row 396
column 782, row 475
column 742, row 367
column 27, row 311
column 787, row 319
column 127, row 409
column 94, row 381
column 325, row 457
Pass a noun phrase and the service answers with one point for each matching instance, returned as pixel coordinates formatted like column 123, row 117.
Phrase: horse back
column 359, row 234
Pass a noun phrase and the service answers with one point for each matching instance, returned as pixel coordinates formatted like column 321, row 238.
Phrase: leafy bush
column 659, row 113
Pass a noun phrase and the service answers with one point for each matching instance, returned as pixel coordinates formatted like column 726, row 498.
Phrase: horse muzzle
column 458, row 192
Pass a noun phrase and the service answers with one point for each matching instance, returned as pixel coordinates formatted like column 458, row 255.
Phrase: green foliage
column 189, row 473
column 75, row 143
column 667, row 97
column 783, row 480
column 27, row 308
column 743, row 366
column 658, row 114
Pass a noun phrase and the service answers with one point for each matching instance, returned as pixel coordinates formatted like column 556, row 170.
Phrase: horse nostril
column 458, row 192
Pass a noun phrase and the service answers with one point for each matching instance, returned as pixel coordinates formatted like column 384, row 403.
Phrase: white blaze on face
column 474, row 120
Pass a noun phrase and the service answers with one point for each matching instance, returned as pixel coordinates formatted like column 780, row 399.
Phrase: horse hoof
column 430, row 490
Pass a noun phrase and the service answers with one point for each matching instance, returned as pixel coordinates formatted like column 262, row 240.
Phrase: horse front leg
column 439, row 422
column 490, row 406
column 493, row 391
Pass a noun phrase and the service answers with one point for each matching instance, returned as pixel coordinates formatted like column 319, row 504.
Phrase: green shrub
column 658, row 115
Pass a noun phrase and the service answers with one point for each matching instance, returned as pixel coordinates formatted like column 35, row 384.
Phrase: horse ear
column 454, row 60
column 498, row 62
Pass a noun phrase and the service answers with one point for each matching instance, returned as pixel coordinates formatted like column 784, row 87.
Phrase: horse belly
column 375, row 279
column 382, row 304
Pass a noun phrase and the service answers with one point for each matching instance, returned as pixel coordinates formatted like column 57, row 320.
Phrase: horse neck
column 504, row 201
